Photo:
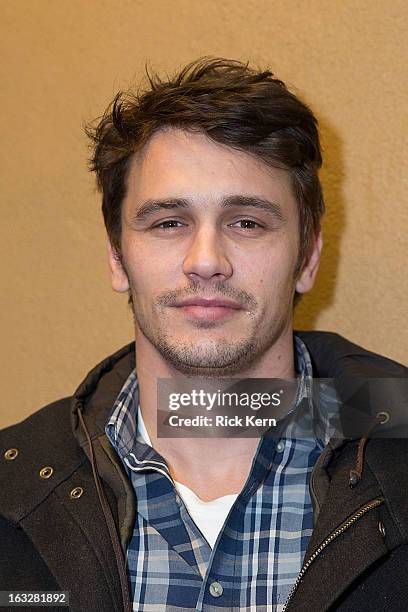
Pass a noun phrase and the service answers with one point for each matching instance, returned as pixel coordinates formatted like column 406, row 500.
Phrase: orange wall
column 62, row 61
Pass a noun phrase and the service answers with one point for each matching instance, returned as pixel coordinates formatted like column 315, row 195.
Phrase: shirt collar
column 122, row 426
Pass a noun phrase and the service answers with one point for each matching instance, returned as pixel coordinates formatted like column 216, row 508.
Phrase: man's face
column 210, row 242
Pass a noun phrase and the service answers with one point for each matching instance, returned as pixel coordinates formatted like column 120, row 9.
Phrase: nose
column 206, row 257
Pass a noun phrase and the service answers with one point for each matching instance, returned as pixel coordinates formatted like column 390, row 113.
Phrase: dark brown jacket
column 53, row 533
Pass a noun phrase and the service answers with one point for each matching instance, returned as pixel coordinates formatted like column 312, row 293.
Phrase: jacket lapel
column 347, row 538
column 336, row 563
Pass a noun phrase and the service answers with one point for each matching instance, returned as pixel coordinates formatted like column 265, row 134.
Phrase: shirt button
column 280, row 446
column 216, row 589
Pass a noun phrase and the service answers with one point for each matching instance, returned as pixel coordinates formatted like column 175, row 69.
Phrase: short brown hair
column 232, row 104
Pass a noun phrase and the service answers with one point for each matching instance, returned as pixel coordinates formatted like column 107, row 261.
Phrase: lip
column 209, row 303
column 201, row 309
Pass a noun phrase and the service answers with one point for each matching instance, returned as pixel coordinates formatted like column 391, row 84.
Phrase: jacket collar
column 96, row 395
column 332, row 357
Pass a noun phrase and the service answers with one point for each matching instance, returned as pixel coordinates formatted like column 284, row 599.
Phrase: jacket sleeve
column 21, row 567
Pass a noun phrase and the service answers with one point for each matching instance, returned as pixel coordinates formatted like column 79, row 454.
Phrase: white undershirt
column 208, row 516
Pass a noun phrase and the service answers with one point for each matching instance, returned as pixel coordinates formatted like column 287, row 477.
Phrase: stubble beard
column 219, row 358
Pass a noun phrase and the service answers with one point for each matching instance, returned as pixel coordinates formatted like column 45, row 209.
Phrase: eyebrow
column 150, row 207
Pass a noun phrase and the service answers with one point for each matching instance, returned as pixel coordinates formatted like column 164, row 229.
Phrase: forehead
column 179, row 163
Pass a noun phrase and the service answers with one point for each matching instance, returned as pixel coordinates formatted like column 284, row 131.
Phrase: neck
column 235, row 455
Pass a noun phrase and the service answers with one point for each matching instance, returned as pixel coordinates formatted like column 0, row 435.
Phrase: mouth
column 201, row 309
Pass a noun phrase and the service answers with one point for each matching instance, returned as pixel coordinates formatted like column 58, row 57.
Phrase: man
column 212, row 204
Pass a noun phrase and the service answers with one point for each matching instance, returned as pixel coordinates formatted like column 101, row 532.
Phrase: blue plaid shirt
column 260, row 549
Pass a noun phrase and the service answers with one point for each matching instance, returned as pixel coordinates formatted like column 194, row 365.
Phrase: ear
column 119, row 277
column 310, row 266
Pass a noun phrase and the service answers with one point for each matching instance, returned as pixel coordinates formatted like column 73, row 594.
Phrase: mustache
column 219, row 289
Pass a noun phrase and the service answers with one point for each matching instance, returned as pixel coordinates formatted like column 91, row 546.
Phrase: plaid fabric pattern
column 259, row 552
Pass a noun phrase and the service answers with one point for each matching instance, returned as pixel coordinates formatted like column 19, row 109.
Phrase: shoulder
column 43, row 440
column 47, row 439
column 335, row 356
column 388, row 460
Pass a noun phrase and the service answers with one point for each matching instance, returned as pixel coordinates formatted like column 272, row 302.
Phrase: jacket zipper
column 334, row 534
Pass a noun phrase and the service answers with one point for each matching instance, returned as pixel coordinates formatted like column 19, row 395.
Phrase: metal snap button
column 280, row 446
column 383, row 417
column 381, row 528
column 216, row 589
column 11, row 454
column 76, row 493
column 46, row 472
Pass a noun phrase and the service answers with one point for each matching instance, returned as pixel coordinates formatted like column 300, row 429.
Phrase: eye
column 168, row 224
column 247, row 224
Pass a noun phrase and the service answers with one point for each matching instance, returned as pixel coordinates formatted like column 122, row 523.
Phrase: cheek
column 149, row 272
column 271, row 268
